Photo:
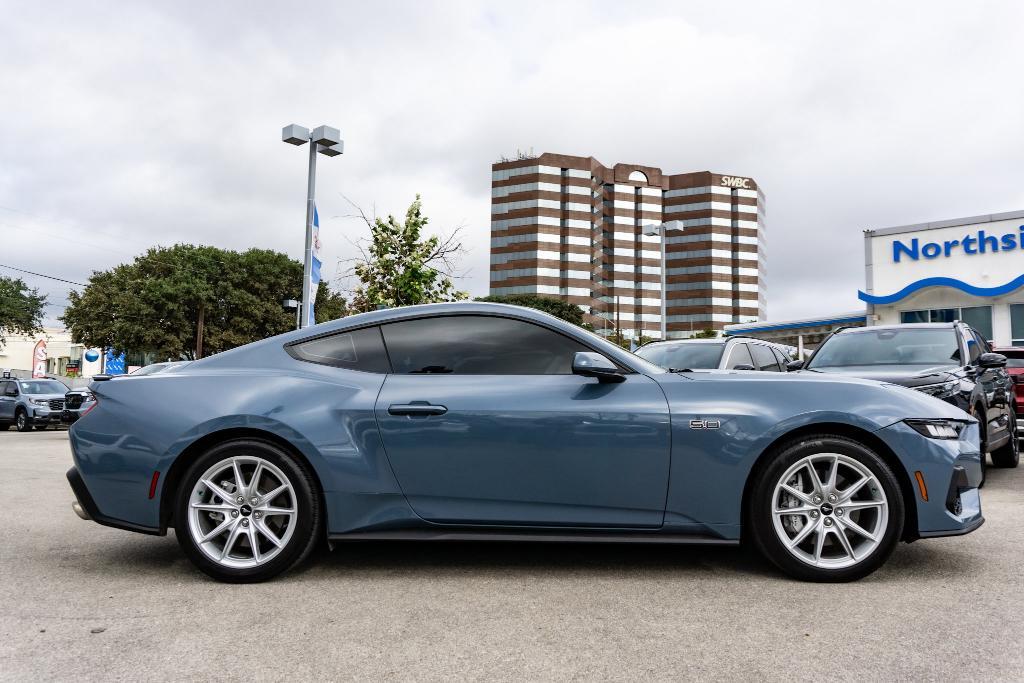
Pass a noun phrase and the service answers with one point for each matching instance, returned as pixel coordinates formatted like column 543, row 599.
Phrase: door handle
column 416, row 409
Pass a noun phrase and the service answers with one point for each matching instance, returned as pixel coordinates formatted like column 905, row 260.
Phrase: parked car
column 1015, row 369
column 31, row 403
column 728, row 353
column 486, row 421
column 951, row 361
column 77, row 402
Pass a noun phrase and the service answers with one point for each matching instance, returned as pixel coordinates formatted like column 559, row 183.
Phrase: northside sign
column 970, row 244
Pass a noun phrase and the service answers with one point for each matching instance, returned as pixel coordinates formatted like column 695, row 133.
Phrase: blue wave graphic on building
column 973, row 290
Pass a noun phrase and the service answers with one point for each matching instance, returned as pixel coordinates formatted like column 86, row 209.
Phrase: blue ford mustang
column 483, row 421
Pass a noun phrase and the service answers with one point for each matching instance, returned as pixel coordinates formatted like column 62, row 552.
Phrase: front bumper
column 87, row 505
column 951, row 471
column 46, row 415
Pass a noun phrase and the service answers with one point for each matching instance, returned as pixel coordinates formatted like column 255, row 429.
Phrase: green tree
column 556, row 307
column 21, row 308
column 190, row 301
column 401, row 268
column 706, row 334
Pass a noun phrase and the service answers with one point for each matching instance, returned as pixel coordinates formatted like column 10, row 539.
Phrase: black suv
column 950, row 361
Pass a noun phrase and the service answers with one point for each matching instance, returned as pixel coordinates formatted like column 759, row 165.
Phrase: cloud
column 152, row 124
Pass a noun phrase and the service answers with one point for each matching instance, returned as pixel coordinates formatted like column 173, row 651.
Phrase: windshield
column 683, row 356
column 907, row 346
column 43, row 386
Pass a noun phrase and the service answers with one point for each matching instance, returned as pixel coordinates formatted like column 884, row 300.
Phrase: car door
column 995, row 383
column 484, row 423
column 7, row 403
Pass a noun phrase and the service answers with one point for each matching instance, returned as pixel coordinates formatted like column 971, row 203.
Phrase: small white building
column 969, row 269
column 63, row 357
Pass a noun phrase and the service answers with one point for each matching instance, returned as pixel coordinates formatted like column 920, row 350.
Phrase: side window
column 764, row 359
column 975, row 347
column 739, row 356
column 478, row 345
column 781, row 357
column 985, row 348
column 356, row 350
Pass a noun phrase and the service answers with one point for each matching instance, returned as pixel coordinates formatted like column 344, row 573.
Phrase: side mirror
column 743, row 366
column 794, row 365
column 992, row 360
column 590, row 364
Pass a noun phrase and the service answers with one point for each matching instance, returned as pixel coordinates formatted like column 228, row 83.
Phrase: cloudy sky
column 126, row 126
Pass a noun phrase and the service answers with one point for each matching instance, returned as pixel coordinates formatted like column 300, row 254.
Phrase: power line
column 49, row 277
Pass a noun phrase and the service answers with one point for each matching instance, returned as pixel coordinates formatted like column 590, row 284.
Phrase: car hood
column 904, row 375
column 48, row 397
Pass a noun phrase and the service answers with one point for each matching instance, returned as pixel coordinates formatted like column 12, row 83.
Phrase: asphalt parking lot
column 81, row 601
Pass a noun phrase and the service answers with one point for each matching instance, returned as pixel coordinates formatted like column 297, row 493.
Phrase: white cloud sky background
column 131, row 125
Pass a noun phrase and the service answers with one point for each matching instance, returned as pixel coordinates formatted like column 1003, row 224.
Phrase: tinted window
column 356, row 350
column 764, row 359
column 6, row 386
column 478, row 345
column 740, row 356
column 683, row 356
column 975, row 346
column 908, row 346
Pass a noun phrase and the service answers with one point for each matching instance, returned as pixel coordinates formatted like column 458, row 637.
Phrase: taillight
column 95, row 402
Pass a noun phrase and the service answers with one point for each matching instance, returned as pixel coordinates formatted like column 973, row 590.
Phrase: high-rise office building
column 571, row 227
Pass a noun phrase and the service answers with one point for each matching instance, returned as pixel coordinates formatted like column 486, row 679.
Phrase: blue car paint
column 549, row 451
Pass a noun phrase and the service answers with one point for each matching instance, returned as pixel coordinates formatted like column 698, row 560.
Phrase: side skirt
column 531, row 536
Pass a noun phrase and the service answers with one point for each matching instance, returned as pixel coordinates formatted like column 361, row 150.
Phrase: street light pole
column 661, row 231
column 307, row 261
column 326, row 141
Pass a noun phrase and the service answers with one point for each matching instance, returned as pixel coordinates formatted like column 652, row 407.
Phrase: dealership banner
column 314, row 271
column 113, row 364
column 39, row 359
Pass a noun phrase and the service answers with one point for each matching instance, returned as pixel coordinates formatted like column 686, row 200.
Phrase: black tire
column 22, row 421
column 4, row 426
column 760, row 518
column 1008, row 455
column 308, row 520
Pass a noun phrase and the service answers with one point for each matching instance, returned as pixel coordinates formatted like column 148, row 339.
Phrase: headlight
column 938, row 429
column 41, row 401
column 942, row 389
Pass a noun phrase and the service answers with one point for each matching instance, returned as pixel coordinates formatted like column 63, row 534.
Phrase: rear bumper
column 88, row 505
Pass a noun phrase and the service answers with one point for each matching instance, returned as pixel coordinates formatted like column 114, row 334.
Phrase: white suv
column 729, row 353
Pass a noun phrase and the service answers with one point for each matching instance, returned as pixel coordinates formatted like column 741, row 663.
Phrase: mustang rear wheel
column 247, row 511
column 827, row 509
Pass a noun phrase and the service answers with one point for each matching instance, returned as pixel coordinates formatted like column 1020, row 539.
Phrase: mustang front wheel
column 827, row 509
column 246, row 511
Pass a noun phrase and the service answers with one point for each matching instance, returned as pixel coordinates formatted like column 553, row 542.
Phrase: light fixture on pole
column 328, row 142
column 661, row 230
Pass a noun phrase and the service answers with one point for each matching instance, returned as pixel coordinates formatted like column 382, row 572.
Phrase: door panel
column 534, row 450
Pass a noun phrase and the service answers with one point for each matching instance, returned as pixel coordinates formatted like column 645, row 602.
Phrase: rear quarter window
column 361, row 350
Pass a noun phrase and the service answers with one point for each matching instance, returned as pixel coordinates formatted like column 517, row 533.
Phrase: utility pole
column 199, row 330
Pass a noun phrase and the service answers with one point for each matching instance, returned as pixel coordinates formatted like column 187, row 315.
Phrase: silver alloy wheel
column 242, row 512
column 21, row 420
column 830, row 511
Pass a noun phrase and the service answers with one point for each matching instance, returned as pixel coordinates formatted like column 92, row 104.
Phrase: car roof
column 389, row 315
column 903, row 326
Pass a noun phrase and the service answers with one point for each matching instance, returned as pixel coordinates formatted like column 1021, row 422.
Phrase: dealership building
column 573, row 228
column 967, row 269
